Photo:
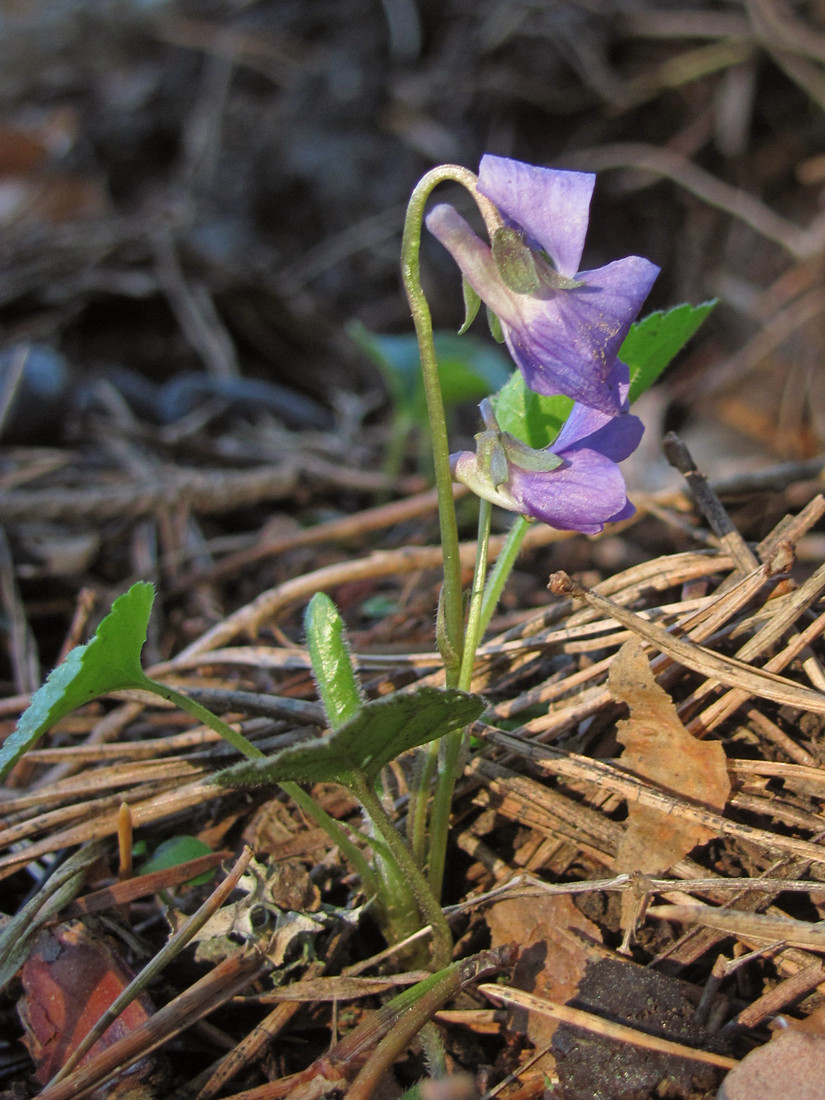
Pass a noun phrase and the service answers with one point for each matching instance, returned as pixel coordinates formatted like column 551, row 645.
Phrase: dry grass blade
column 611, row 778
column 714, row 666
column 799, row 242
column 608, row 1028
column 747, row 926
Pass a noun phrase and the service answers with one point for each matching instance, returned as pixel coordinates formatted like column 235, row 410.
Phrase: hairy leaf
column 331, row 663
column 380, row 731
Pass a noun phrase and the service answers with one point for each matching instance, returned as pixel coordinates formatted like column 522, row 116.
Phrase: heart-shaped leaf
column 532, row 417
column 109, row 662
column 653, row 342
column 380, row 731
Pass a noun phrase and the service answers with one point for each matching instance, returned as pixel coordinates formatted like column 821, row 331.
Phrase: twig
column 172, row 948
column 716, row 666
column 577, row 1017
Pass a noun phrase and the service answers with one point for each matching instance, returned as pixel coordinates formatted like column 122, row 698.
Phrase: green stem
column 453, row 614
column 204, row 715
column 321, row 818
column 502, row 570
column 472, row 635
column 336, row 833
column 403, row 1017
column 429, row 907
column 451, row 746
column 450, row 632
column 426, row 763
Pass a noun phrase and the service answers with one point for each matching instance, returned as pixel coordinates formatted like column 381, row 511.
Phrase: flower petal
column 615, row 437
column 566, row 341
column 552, row 207
column 583, row 495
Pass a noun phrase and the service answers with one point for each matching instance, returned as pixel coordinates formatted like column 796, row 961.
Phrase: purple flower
column 574, row 484
column 563, row 328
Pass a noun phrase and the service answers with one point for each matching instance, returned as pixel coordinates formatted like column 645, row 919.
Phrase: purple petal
column 619, row 380
column 615, row 437
column 583, row 495
column 566, row 341
column 626, row 512
column 552, row 207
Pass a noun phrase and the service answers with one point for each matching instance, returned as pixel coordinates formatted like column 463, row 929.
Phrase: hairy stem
column 453, row 615
column 475, row 626
column 452, row 746
column 427, row 903
column 426, row 763
column 204, row 715
column 502, row 570
column 330, row 826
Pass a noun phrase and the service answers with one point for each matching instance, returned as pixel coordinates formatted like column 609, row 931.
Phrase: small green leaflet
column 331, row 663
column 177, row 850
column 468, row 368
column 109, row 662
column 653, row 342
column 381, row 730
column 529, row 416
column 472, row 303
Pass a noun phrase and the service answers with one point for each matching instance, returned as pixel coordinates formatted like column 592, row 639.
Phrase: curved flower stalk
column 575, row 484
column 563, row 327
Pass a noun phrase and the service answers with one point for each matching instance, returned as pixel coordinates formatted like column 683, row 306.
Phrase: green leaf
column 515, row 262
column 177, row 850
column 652, row 342
column 472, row 303
column 468, row 368
column 331, row 663
column 380, row 731
column 529, row 416
column 528, row 458
column 496, row 331
column 109, row 662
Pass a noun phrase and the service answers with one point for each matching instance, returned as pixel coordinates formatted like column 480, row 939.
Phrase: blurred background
column 220, row 186
column 197, row 200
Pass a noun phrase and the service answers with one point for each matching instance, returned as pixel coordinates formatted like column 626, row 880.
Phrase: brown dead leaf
column 790, row 1067
column 70, row 979
column 814, row 1023
column 554, row 939
column 659, row 748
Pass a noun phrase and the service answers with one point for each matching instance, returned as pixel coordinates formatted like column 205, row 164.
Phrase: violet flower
column 563, row 328
column 574, row 484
